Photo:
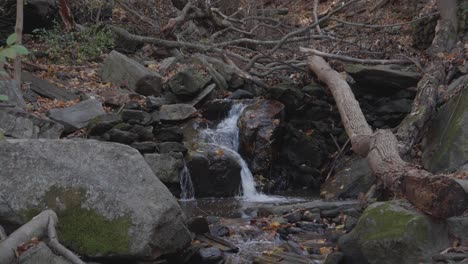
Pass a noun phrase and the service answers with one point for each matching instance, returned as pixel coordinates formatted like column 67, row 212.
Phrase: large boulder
column 17, row 123
column 388, row 78
column 257, row 126
column 393, row 232
column 187, row 83
column 108, row 201
column 121, row 70
column 352, row 177
column 77, row 116
column 445, row 147
column 215, row 171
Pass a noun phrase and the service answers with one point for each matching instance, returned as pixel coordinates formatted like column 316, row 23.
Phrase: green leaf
column 11, row 39
column 3, row 98
column 9, row 53
column 20, row 49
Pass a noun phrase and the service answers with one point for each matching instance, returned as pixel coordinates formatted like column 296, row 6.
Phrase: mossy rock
column 2, row 136
column 391, row 232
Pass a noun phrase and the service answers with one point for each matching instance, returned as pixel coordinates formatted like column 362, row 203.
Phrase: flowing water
column 186, row 186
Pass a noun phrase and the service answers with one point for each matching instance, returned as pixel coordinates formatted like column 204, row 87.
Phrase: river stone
column 167, row 167
column 187, row 83
column 77, row 116
column 445, row 147
column 108, row 201
column 351, row 178
column 392, row 232
column 19, row 124
column 257, row 126
column 176, row 112
column 388, row 78
column 215, row 172
column 121, row 70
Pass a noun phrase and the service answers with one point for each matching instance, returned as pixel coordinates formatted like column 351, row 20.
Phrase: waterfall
column 186, row 184
column 226, row 136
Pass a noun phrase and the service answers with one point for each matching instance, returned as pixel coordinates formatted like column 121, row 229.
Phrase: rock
column 41, row 254
column 101, row 124
column 240, row 94
column 107, row 199
column 227, row 71
column 390, row 232
column 198, row 225
column 132, row 105
column 168, row 147
column 217, row 109
column 77, row 116
column 388, row 78
column 314, row 89
column 118, row 98
column 121, row 136
column 145, row 133
column 187, row 83
column 458, row 228
column 396, row 106
column 167, row 65
column 166, row 167
column 47, row 89
column 10, row 88
column 203, row 95
column 210, row 255
column 311, row 217
column 144, row 147
column 154, row 103
column 169, row 134
column 214, row 174
column 334, row 258
column 136, row 117
column 16, row 123
column 257, row 126
column 293, row 217
column 121, row 70
column 352, row 177
column 176, row 112
column 445, row 147
column 288, row 94
column 219, row 230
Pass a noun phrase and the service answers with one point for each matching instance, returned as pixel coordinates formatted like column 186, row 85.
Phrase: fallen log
column 436, row 195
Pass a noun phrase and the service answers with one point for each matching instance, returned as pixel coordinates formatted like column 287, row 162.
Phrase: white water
column 188, row 194
column 226, row 136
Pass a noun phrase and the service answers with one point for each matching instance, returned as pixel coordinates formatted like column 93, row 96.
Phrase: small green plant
column 10, row 51
column 76, row 46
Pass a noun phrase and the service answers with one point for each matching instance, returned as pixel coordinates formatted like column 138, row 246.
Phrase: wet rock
column 198, row 225
column 168, row 147
column 107, row 198
column 47, row 89
column 144, row 147
column 187, row 83
column 257, row 126
column 121, row 136
column 166, row 167
column 77, row 116
column 391, row 232
column 288, row 94
column 136, row 117
column 101, row 124
column 41, row 254
column 445, row 147
column 121, row 70
column 176, row 112
column 240, row 94
column 10, row 88
column 169, row 134
column 16, row 123
column 352, row 177
column 388, row 78
column 214, row 173
column 219, row 230
column 217, row 109
column 210, row 255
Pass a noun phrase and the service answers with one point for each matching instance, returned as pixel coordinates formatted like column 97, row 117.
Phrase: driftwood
column 439, row 196
column 43, row 225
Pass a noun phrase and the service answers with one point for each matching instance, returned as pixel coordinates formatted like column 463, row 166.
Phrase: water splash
column 226, row 137
column 186, row 185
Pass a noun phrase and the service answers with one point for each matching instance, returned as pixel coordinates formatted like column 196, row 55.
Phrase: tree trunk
column 19, row 37
column 439, row 196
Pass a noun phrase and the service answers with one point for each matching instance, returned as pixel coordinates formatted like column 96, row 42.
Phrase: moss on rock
column 84, row 230
column 2, row 136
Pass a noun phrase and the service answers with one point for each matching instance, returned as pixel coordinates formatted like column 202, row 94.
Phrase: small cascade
column 186, row 185
column 226, row 136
